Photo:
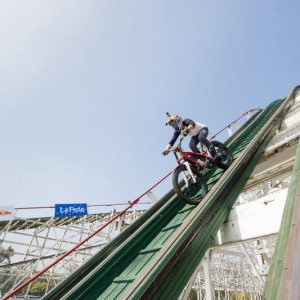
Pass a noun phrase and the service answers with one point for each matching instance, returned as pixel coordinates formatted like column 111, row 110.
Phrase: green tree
column 38, row 288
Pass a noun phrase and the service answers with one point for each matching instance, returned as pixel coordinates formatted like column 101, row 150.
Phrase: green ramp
column 155, row 256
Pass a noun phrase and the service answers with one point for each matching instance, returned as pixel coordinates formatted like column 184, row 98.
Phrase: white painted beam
column 209, row 292
column 254, row 219
column 254, row 268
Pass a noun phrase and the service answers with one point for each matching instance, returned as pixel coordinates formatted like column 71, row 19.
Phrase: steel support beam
column 255, row 270
column 207, row 277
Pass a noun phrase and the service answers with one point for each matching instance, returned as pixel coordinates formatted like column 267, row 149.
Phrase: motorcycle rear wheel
column 225, row 157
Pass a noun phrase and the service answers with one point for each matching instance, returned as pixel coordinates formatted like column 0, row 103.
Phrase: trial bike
column 188, row 181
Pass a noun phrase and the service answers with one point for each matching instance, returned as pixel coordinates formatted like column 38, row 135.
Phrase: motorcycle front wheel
column 184, row 186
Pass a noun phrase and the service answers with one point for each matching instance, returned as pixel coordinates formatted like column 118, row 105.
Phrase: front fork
column 188, row 167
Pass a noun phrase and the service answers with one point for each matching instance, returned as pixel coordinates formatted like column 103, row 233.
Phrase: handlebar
column 178, row 146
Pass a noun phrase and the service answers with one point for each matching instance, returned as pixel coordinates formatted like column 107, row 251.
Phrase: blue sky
column 84, row 86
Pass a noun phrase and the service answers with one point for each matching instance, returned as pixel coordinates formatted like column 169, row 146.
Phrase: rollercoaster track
column 157, row 254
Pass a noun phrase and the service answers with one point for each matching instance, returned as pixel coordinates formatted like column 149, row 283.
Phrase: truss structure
column 29, row 245
column 235, row 271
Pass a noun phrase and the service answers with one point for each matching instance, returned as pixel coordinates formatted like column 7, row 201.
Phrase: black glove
column 165, row 152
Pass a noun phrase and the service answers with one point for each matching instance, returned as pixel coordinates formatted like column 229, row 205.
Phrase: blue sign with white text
column 71, row 210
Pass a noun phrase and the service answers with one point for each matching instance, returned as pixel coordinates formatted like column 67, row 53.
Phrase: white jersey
column 196, row 129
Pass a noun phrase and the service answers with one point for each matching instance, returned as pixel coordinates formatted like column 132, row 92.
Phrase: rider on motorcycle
column 197, row 131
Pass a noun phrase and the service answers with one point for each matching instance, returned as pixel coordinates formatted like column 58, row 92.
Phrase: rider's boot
column 208, row 164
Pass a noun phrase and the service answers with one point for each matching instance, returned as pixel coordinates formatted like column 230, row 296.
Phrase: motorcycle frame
column 186, row 157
